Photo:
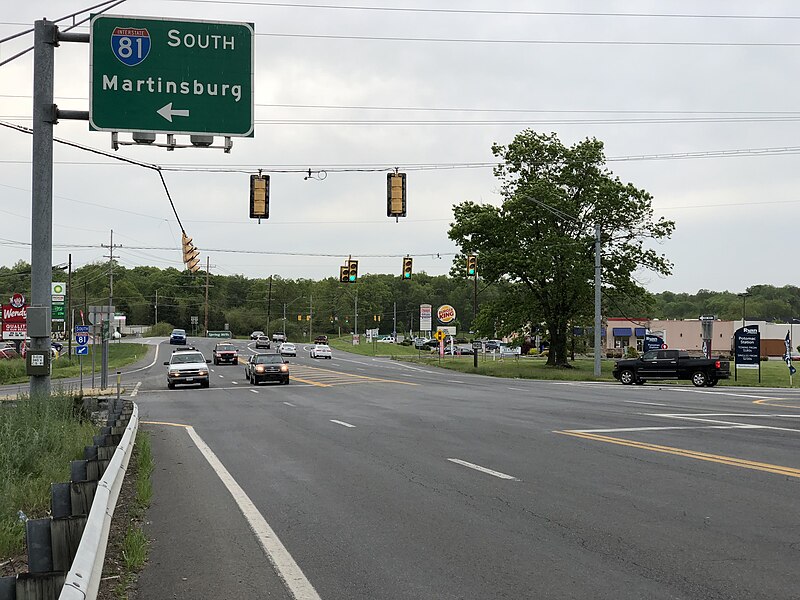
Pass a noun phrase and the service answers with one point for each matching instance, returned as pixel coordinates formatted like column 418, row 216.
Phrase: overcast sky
column 715, row 84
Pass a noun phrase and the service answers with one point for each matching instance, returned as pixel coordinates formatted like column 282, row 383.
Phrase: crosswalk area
column 327, row 377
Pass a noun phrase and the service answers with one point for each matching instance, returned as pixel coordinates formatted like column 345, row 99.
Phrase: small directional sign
column 82, row 350
column 158, row 75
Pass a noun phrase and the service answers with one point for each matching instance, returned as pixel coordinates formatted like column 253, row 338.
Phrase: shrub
column 160, row 329
column 764, row 358
column 631, row 352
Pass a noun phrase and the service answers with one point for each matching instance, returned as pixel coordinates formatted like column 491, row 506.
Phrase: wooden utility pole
column 69, row 316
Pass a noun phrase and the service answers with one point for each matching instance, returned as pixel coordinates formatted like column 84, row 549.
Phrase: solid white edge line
column 288, row 570
column 155, row 359
column 498, row 474
column 341, row 423
column 645, row 403
column 288, row 404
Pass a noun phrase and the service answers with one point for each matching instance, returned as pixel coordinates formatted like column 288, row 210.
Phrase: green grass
column 373, row 348
column 38, row 438
column 144, row 487
column 119, row 355
column 774, row 373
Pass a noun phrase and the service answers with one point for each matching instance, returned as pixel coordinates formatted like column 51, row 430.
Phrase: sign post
column 156, row 75
column 81, row 349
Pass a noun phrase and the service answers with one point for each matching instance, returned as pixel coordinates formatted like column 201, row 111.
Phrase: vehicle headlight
column 260, row 369
column 284, row 368
column 174, row 373
column 202, row 373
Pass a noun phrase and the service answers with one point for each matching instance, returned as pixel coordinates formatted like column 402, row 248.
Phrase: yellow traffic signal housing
column 191, row 255
column 344, row 274
column 259, row 196
column 472, row 265
column 396, row 195
column 352, row 275
column 407, row 267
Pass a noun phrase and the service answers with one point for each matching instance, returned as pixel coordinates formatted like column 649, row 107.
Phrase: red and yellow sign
column 446, row 314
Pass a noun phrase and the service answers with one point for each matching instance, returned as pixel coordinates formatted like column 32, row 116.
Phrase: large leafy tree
column 540, row 241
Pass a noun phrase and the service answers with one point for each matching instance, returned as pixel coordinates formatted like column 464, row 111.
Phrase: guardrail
column 66, row 551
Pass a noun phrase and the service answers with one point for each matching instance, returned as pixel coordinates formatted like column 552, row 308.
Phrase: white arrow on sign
column 168, row 112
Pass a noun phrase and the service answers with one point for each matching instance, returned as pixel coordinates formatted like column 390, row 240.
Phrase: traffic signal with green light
column 408, row 263
column 472, row 265
column 259, row 197
column 352, row 275
column 191, row 255
column 396, row 195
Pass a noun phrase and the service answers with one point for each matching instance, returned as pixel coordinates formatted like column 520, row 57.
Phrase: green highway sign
column 158, row 75
column 219, row 334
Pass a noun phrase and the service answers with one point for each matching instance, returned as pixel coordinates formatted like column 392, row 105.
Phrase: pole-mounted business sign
column 747, row 349
column 157, row 75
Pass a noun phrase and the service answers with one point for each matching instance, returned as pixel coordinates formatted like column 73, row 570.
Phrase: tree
column 541, row 240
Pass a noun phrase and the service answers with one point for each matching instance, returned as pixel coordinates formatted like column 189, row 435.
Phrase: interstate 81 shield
column 130, row 45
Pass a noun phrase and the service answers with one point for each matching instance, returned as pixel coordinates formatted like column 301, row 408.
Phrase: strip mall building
column 687, row 334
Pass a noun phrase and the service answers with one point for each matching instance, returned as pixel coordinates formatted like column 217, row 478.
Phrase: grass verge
column 119, row 355
column 38, row 438
column 373, row 348
column 774, row 373
column 128, row 545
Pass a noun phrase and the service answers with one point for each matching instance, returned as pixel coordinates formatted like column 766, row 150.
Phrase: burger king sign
column 446, row 314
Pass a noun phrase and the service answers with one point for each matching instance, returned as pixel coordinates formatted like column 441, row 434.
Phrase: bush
column 631, row 352
column 764, row 358
column 160, row 329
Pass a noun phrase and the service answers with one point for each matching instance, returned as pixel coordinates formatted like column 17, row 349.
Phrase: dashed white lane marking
column 492, row 472
column 235, row 382
column 455, row 381
column 254, row 391
column 136, row 389
column 221, row 376
column 360, row 369
column 517, row 389
column 288, row 404
column 342, row 423
column 289, row 571
column 646, row 403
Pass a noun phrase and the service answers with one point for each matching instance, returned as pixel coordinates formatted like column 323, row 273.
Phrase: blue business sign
column 653, row 342
column 747, row 347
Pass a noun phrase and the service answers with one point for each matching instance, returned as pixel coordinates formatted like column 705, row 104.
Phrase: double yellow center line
column 715, row 458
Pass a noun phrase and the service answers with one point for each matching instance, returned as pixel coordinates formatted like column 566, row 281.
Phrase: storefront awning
column 640, row 331
column 622, row 332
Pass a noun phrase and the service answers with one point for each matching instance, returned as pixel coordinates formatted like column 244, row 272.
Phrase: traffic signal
column 344, row 274
column 352, row 274
column 259, row 197
column 407, row 267
column 396, row 195
column 191, row 255
column 472, row 265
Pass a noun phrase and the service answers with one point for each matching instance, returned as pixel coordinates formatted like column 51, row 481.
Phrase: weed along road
column 369, row 478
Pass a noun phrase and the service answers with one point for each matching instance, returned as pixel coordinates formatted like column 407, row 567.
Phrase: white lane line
column 221, row 375
column 517, row 389
column 135, row 391
column 341, row 423
column 235, row 382
column 455, row 381
column 646, row 403
column 254, row 391
column 360, row 369
column 288, row 404
column 289, row 571
column 629, row 429
column 693, row 391
column 155, row 358
column 464, row 463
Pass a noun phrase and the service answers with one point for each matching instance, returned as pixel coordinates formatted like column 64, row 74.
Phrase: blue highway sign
column 81, row 339
column 82, row 350
column 81, row 329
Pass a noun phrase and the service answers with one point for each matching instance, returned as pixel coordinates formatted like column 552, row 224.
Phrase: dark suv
column 178, row 336
column 266, row 367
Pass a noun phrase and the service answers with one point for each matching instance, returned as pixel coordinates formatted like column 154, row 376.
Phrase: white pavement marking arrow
column 168, row 112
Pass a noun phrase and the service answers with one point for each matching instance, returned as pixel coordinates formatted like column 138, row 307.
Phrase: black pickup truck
column 672, row 364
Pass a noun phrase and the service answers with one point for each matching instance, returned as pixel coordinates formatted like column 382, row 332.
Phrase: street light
column 744, row 296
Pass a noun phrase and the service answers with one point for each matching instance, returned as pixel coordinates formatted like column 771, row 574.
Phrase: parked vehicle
column 266, row 367
column 420, row 342
column 493, row 345
column 671, row 364
column 225, row 352
column 262, row 341
column 385, row 339
column 458, row 351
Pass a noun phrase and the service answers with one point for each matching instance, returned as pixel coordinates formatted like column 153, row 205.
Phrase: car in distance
column 386, row 339
column 288, row 349
column 321, row 339
column 187, row 366
column 178, row 336
column 266, row 367
column 492, row 345
column 225, row 352
column 262, row 341
column 671, row 364
column 321, row 351
column 255, row 335
column 278, row 337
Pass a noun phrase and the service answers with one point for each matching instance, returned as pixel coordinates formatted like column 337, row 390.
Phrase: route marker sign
column 158, row 75
column 82, row 350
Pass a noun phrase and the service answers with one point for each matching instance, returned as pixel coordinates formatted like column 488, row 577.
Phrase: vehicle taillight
column 717, row 365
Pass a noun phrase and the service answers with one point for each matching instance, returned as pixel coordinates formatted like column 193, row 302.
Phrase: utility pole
column 110, row 310
column 70, row 317
column 474, row 299
column 394, row 322
column 44, row 43
column 310, row 314
column 597, row 288
column 284, row 320
column 356, row 313
column 155, row 320
column 269, row 303
column 208, row 268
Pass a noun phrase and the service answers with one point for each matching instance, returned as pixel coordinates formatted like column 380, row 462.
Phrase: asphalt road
column 372, row 479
